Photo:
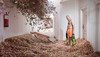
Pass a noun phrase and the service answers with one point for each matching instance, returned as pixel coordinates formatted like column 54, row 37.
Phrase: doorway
column 83, row 23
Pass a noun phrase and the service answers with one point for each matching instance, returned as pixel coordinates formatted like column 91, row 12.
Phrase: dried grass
column 29, row 46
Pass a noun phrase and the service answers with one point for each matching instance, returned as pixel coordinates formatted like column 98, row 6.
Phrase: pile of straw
column 29, row 46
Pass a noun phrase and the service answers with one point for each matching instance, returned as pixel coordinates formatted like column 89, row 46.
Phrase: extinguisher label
column 6, row 23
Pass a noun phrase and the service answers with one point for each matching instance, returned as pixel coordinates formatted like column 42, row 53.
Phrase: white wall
column 91, row 24
column 70, row 8
column 66, row 7
column 17, row 21
column 16, row 24
column 57, row 20
column 98, row 28
column 82, row 6
column 98, row 24
column 90, row 5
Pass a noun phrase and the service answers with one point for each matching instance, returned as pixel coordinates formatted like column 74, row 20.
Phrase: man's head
column 69, row 19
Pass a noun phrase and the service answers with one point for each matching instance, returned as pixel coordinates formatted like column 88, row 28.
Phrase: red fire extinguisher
column 6, row 20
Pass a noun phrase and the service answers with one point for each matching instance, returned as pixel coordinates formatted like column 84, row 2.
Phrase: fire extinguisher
column 6, row 20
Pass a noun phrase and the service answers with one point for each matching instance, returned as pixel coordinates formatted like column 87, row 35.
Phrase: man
column 69, row 31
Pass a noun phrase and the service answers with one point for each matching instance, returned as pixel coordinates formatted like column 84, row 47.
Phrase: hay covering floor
column 29, row 46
